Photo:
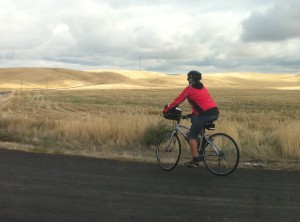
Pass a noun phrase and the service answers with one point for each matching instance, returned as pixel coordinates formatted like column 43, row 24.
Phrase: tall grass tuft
column 116, row 131
column 289, row 139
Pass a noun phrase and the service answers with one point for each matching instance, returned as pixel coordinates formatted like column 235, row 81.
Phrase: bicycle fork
column 170, row 146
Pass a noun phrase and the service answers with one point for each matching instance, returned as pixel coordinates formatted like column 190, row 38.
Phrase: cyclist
column 204, row 110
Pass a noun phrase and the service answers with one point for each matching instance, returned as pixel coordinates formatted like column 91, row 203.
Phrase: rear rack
column 210, row 126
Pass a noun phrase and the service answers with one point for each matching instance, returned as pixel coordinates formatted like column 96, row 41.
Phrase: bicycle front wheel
column 226, row 161
column 168, row 150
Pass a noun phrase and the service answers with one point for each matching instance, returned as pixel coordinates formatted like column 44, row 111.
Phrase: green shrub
column 153, row 132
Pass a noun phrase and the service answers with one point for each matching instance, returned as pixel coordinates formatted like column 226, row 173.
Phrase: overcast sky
column 171, row 36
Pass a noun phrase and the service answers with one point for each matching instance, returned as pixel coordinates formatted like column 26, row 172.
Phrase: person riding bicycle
column 204, row 110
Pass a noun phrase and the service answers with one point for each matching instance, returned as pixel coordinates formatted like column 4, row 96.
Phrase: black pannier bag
column 173, row 114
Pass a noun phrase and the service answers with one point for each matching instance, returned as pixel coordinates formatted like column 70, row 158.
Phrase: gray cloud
column 170, row 36
column 281, row 22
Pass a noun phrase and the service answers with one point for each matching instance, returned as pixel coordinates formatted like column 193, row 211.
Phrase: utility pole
column 140, row 63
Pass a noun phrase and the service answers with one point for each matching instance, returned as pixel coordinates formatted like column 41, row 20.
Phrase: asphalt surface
column 41, row 187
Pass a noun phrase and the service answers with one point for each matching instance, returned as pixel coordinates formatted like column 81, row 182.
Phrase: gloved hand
column 165, row 109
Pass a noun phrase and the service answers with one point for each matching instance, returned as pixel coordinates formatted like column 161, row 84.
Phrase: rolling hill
column 57, row 78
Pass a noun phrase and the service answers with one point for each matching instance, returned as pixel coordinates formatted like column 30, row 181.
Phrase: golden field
column 110, row 113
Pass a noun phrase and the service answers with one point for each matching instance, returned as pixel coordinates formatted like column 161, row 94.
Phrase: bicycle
column 220, row 153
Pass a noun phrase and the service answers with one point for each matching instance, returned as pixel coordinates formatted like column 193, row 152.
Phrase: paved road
column 40, row 187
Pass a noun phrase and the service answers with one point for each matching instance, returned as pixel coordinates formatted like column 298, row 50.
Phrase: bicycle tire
column 168, row 150
column 227, row 161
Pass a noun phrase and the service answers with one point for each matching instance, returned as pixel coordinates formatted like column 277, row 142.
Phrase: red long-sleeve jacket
column 199, row 99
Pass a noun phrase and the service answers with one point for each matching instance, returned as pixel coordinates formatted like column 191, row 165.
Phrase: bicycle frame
column 202, row 136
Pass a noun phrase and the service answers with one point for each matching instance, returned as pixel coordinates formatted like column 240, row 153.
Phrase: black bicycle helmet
column 194, row 75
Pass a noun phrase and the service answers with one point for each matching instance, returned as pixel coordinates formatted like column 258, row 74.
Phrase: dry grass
column 112, row 123
column 289, row 140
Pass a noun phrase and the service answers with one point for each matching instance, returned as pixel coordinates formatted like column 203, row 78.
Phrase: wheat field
column 111, row 114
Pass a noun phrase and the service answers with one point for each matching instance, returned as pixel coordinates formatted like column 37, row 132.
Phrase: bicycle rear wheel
column 168, row 150
column 227, row 161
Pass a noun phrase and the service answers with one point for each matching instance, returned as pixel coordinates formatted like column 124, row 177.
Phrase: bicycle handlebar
column 186, row 116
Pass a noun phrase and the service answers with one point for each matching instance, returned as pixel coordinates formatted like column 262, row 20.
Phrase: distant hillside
column 53, row 78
